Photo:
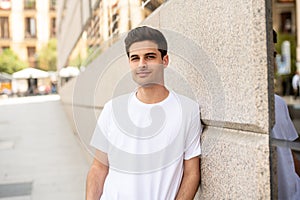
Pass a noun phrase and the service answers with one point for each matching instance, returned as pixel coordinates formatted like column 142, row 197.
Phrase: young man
column 147, row 142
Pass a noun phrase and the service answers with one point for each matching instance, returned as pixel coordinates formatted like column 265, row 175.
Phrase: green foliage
column 76, row 61
column 47, row 56
column 10, row 62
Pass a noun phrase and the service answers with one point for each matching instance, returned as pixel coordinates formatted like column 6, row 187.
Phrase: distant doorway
column 32, row 86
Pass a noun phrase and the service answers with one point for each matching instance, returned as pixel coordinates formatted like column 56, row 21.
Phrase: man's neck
column 152, row 94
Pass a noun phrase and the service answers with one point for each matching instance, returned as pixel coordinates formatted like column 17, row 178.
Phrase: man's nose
column 142, row 63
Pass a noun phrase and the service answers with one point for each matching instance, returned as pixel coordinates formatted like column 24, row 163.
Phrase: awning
column 30, row 73
column 4, row 77
column 69, row 72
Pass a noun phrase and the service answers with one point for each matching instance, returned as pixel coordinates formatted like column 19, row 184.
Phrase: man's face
column 146, row 64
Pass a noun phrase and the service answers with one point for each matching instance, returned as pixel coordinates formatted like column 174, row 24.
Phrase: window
column 29, row 4
column 115, row 23
column 93, row 32
column 52, row 27
column 4, row 28
column 151, row 5
column 30, row 27
column 52, row 5
column 286, row 22
column 114, row 20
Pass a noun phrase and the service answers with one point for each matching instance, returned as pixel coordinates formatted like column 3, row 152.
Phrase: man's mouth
column 143, row 73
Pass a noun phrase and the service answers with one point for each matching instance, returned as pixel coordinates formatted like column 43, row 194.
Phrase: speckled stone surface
column 230, row 38
column 235, row 165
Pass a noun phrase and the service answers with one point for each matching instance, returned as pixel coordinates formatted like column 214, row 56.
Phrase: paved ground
column 41, row 159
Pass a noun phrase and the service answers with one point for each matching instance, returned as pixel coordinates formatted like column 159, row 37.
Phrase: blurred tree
column 77, row 61
column 47, row 56
column 10, row 62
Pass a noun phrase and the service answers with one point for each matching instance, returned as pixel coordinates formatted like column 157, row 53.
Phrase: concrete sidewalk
column 41, row 158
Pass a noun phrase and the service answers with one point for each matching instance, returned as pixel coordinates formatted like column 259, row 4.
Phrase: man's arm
column 96, row 176
column 191, row 179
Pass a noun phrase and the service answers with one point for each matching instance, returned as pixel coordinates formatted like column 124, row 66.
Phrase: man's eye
column 134, row 59
column 150, row 57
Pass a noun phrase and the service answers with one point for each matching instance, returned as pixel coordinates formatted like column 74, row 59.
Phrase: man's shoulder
column 116, row 104
column 187, row 103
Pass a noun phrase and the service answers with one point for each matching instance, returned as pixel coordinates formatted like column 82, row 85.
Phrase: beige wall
column 71, row 28
column 218, row 51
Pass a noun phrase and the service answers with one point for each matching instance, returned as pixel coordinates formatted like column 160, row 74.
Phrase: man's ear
column 165, row 60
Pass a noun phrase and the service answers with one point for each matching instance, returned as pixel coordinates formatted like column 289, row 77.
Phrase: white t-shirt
column 295, row 81
column 288, row 180
column 146, row 145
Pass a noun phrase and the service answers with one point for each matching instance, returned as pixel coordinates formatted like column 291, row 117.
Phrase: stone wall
column 219, row 57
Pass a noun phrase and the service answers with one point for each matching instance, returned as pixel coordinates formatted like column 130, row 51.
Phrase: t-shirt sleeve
column 99, row 139
column 193, row 147
column 284, row 127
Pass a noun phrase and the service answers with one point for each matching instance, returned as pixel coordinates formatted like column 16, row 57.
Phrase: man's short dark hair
column 144, row 33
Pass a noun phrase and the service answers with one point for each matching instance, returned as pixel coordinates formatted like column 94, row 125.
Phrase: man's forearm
column 190, row 180
column 95, row 182
column 189, row 187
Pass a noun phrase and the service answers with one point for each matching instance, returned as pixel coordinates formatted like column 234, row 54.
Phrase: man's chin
column 146, row 84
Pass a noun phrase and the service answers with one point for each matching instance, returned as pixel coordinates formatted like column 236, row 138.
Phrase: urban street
column 41, row 158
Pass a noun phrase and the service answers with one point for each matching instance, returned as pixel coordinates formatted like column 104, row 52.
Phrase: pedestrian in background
column 295, row 84
column 148, row 141
column 288, row 163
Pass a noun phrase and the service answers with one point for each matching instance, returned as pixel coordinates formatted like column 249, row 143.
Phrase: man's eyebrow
column 133, row 55
column 150, row 54
column 146, row 54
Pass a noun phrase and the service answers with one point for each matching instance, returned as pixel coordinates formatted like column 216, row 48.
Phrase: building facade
column 86, row 28
column 284, row 16
column 27, row 25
